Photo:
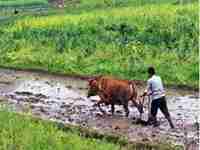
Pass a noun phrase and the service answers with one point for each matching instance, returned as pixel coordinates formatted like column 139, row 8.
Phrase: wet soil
column 63, row 99
column 12, row 12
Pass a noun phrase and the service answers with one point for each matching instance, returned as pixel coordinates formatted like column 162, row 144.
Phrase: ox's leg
column 126, row 109
column 113, row 108
column 124, row 101
column 103, row 100
column 99, row 105
column 139, row 107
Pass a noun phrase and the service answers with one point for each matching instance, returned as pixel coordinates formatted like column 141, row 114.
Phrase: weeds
column 118, row 41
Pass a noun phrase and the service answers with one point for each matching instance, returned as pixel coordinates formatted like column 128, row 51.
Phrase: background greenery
column 117, row 37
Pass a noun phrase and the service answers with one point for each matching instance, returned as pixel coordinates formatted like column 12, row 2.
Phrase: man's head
column 151, row 71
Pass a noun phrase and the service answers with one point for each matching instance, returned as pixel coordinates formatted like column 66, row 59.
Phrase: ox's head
column 93, row 87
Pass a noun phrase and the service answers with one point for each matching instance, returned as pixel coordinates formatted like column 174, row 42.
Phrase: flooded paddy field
column 64, row 99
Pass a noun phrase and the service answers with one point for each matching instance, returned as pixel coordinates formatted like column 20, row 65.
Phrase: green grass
column 89, row 5
column 120, row 40
column 23, row 133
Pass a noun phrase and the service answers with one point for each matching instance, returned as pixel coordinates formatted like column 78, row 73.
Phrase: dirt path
column 63, row 99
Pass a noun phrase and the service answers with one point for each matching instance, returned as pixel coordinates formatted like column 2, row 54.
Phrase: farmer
column 155, row 91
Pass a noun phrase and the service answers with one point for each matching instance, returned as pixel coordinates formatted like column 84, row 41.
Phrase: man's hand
column 141, row 99
column 144, row 94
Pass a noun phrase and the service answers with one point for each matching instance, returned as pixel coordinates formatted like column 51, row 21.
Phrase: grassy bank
column 23, row 133
column 121, row 40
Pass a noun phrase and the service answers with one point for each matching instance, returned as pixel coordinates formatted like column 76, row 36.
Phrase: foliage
column 122, row 41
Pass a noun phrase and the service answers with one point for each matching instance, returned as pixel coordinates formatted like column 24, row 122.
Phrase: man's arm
column 147, row 90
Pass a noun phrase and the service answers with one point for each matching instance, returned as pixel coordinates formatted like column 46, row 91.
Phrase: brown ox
column 114, row 91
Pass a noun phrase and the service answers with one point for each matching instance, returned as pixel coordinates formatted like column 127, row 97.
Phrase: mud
column 8, row 12
column 63, row 99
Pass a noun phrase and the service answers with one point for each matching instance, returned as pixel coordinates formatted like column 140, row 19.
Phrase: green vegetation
column 23, row 133
column 116, row 37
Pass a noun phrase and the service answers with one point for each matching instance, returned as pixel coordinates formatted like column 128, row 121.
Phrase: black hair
column 151, row 70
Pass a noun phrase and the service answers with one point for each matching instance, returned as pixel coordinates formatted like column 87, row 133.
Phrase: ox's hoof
column 95, row 105
column 140, row 121
column 99, row 115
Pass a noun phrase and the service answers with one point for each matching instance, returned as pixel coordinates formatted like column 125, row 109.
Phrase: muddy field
column 63, row 99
